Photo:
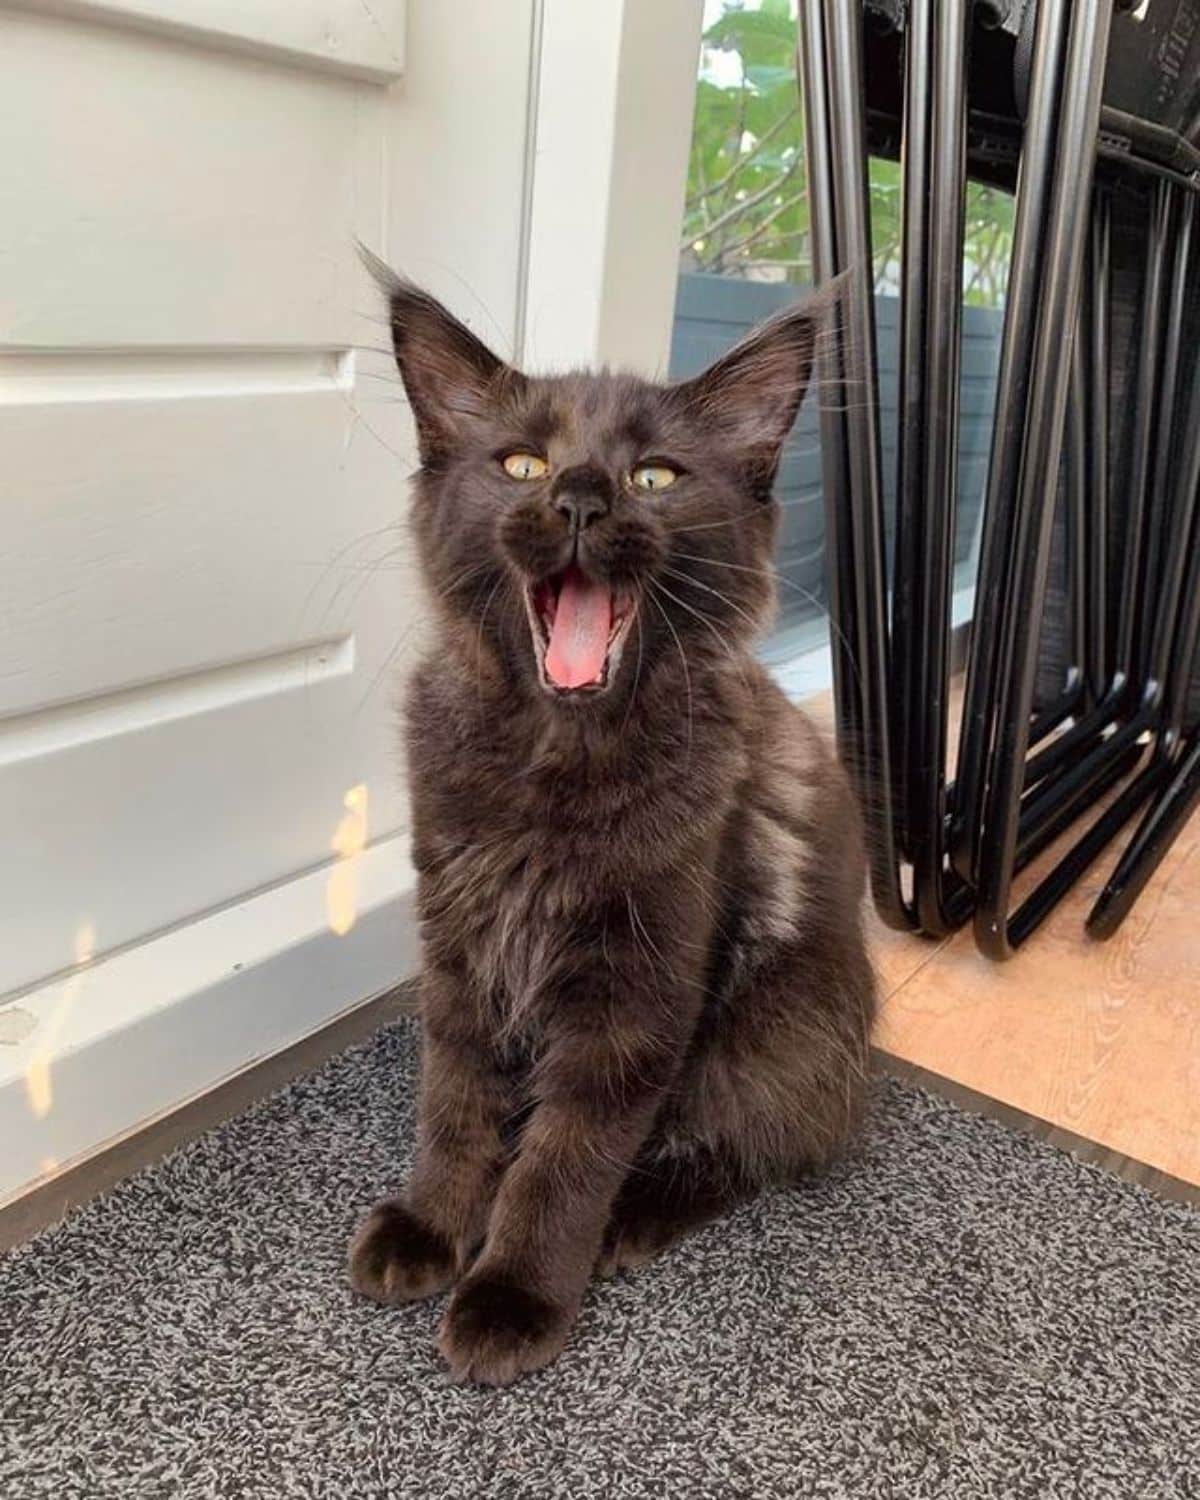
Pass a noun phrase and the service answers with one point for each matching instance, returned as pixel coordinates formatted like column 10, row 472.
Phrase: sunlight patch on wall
column 349, row 841
column 38, row 1084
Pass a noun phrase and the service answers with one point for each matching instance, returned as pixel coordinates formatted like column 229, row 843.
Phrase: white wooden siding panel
column 362, row 38
column 155, row 195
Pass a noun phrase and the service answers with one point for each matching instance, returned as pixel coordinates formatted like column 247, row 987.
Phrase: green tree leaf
column 747, row 209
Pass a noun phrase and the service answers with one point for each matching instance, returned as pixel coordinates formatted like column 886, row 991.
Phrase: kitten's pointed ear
column 452, row 378
column 751, row 395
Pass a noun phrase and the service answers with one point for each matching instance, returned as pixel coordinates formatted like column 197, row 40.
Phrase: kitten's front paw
column 394, row 1257
column 496, row 1329
column 633, row 1240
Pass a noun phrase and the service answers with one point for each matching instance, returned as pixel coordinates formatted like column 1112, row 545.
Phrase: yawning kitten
column 645, row 991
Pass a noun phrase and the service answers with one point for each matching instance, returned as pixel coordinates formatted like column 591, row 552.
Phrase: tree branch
column 767, row 136
column 743, row 206
column 764, row 224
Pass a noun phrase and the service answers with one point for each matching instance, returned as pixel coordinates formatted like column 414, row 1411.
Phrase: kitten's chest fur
column 527, row 849
column 509, row 918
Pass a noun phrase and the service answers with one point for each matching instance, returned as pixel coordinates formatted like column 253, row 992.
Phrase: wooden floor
column 1102, row 1039
column 1099, row 1039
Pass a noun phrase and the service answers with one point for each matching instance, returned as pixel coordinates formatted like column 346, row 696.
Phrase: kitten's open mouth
column 579, row 625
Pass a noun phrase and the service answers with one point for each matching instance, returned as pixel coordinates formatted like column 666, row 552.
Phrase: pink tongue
column 579, row 634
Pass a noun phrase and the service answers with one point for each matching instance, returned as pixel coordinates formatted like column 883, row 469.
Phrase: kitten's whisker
column 384, row 565
column 704, row 620
column 714, row 525
column 372, row 349
column 368, row 574
column 467, row 574
column 637, row 675
column 357, row 541
column 754, row 624
column 386, row 667
column 479, row 645
column 347, row 397
column 398, row 645
column 687, row 676
column 787, row 583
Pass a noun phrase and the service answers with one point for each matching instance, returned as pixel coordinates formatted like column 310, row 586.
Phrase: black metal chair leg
column 1171, row 626
column 1148, row 401
column 1167, row 434
column 1131, row 705
column 1174, row 656
column 1045, row 411
column 1077, row 521
column 907, row 576
column 831, row 65
column 1167, row 513
column 1086, row 850
column 1150, row 844
column 1123, row 698
column 1025, row 288
column 1099, row 302
column 927, row 484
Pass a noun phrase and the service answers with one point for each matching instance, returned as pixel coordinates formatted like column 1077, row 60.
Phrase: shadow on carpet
column 961, row 1311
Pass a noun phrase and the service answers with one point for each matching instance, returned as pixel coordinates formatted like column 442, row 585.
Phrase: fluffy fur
column 645, row 993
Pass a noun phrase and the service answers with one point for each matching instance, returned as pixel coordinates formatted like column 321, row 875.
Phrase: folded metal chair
column 1082, row 650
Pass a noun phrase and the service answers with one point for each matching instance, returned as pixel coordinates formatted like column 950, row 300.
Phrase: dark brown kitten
column 646, row 993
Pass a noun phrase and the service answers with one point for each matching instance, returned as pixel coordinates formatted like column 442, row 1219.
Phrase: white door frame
column 611, row 132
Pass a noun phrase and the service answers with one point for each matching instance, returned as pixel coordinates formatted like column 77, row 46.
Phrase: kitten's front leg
column 416, row 1245
column 598, row 1088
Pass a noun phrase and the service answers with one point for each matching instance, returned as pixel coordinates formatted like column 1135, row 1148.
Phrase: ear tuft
column 452, row 378
column 379, row 271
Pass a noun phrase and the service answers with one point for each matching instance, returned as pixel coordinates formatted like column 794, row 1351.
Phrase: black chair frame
column 947, row 851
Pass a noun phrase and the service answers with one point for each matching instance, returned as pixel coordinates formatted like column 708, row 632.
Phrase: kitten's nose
column 581, row 509
column 582, row 495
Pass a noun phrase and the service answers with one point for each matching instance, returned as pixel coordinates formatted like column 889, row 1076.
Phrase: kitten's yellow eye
column 526, row 466
column 653, row 476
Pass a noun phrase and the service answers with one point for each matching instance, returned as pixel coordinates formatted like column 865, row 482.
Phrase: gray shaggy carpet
column 959, row 1311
